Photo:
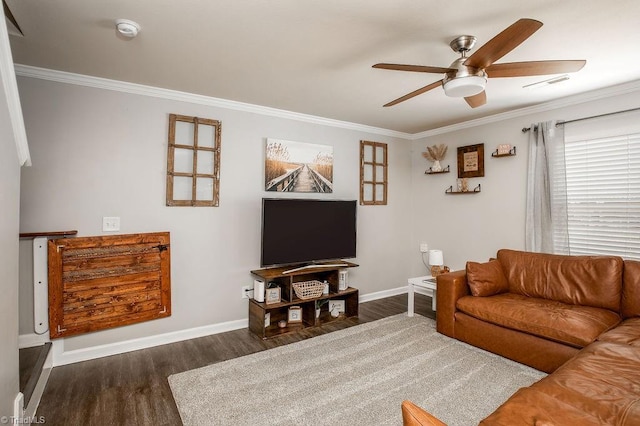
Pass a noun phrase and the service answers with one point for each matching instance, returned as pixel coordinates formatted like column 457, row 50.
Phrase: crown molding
column 581, row 98
column 140, row 89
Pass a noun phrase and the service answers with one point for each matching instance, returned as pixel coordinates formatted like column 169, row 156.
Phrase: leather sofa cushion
column 486, row 279
column 627, row 333
column 579, row 280
column 412, row 415
column 631, row 289
column 599, row 386
column 529, row 407
column 573, row 325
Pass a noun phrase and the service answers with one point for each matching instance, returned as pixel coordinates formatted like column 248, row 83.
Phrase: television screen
column 304, row 230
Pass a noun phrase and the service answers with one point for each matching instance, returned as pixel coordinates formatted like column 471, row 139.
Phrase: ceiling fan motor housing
column 463, row 43
column 465, row 81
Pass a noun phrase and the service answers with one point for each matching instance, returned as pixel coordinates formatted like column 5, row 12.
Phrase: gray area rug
column 356, row 376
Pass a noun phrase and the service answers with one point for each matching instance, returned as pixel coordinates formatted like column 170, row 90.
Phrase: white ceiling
column 315, row 57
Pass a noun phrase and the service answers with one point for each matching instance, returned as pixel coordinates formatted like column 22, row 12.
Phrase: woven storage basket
column 308, row 289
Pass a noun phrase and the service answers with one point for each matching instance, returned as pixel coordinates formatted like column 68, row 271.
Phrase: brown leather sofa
column 576, row 317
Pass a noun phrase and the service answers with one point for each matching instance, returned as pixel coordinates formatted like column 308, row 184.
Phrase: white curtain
column 546, row 228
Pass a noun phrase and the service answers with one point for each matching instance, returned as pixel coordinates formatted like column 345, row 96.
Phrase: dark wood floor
column 28, row 359
column 32, row 362
column 132, row 388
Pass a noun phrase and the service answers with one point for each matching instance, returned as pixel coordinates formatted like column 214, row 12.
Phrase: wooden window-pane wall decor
column 373, row 173
column 193, row 161
column 97, row 283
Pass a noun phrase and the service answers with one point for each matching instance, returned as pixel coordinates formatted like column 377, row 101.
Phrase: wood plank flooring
column 31, row 366
column 132, row 388
column 28, row 358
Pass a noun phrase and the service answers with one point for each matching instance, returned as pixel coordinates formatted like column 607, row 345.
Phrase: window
column 193, row 161
column 603, row 195
column 373, row 173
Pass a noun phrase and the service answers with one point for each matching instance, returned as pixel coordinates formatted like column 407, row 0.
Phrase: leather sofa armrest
column 412, row 415
column 450, row 288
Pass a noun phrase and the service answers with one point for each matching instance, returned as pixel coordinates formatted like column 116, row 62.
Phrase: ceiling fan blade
column 414, row 68
column 10, row 17
column 415, row 93
column 524, row 69
column 503, row 43
column 477, row 100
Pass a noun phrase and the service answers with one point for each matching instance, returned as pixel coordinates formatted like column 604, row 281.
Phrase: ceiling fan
column 467, row 76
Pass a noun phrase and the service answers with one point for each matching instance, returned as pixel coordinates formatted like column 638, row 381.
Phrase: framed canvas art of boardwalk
column 298, row 167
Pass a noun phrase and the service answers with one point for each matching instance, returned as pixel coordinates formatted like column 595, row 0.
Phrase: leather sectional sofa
column 576, row 317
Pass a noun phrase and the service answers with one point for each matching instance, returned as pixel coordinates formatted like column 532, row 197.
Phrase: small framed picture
column 295, row 315
column 471, row 161
column 337, row 306
column 272, row 295
column 504, row 149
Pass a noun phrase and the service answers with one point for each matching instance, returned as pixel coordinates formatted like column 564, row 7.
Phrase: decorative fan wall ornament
column 467, row 76
column 436, row 153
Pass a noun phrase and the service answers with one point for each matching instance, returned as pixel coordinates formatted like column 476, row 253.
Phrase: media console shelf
column 285, row 277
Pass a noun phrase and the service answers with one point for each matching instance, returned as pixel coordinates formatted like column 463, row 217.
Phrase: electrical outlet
column 110, row 224
column 424, row 247
column 247, row 291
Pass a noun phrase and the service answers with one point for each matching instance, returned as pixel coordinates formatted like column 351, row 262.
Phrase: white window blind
column 603, row 196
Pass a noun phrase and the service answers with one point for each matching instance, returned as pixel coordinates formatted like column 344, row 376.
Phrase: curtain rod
column 526, row 129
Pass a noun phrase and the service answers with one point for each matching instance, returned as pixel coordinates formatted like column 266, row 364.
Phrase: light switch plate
column 110, row 224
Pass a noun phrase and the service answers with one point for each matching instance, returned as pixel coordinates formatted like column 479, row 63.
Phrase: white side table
column 426, row 283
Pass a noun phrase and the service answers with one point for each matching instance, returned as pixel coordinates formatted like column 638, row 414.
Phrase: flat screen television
column 306, row 230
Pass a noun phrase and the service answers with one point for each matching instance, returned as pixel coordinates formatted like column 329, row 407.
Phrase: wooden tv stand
column 284, row 277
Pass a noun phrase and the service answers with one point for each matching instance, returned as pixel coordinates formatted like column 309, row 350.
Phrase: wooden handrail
column 322, row 183
column 48, row 234
column 285, row 182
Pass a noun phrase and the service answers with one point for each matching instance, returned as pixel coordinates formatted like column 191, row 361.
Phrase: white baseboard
column 393, row 292
column 18, row 409
column 31, row 340
column 62, row 357
column 382, row 294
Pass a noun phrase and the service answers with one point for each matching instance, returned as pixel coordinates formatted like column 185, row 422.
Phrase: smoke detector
column 127, row 28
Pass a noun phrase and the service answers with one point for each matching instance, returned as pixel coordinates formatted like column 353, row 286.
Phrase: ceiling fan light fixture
column 462, row 87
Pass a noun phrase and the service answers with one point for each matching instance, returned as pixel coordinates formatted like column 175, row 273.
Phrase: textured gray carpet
column 356, row 376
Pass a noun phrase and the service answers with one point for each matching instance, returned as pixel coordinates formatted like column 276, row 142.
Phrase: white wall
column 474, row 227
column 102, row 153
column 9, row 202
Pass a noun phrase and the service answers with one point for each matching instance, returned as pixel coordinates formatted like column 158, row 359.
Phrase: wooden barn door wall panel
column 103, row 282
